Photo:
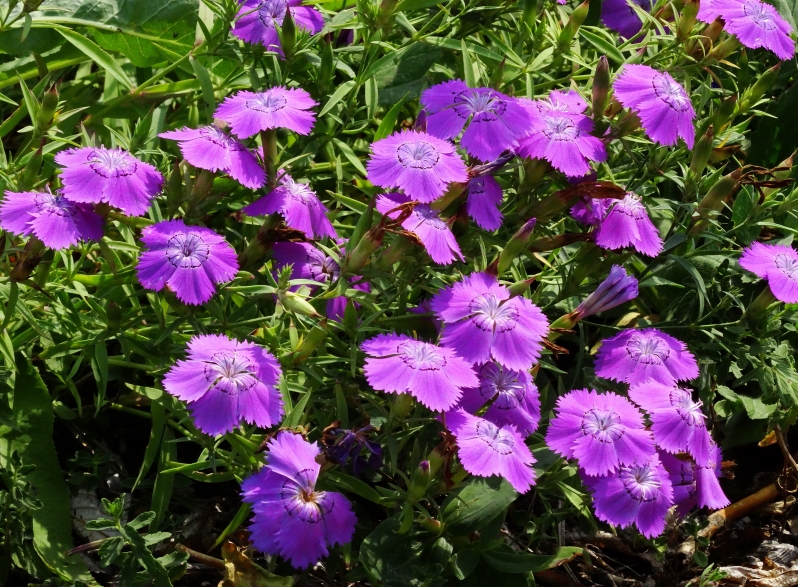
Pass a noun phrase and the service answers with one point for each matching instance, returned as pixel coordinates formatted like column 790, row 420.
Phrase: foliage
column 85, row 347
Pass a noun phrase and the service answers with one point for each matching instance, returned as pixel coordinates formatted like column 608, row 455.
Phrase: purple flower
column 248, row 113
column 602, row 431
column 482, row 322
column 560, row 101
column 292, row 519
column 258, row 20
column 633, row 356
column 342, row 445
column 591, row 211
column 676, row 420
column 661, row 103
column 693, row 485
column 494, row 122
column 298, row 204
column 755, row 23
column 433, row 375
column 627, row 224
column 93, row 175
column 483, row 203
column 418, row 163
column 226, row 382
column 433, row 232
column 778, row 265
column 187, row 259
column 213, row 149
column 617, row 289
column 486, row 449
column 639, row 494
column 53, row 219
column 618, row 16
column 515, row 398
column 561, row 137
column 308, row 262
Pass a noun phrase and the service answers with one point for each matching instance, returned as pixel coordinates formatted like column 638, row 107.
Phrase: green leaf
column 509, row 561
column 389, row 120
column 350, row 155
column 164, row 482
column 337, row 96
column 96, row 54
column 52, row 524
column 154, row 445
column 472, row 506
column 408, row 5
column 468, row 66
column 601, row 41
column 152, row 567
column 404, row 73
column 354, row 485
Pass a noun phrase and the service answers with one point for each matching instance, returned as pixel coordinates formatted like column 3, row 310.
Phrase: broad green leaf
column 96, row 54
column 405, row 73
column 471, row 506
column 52, row 524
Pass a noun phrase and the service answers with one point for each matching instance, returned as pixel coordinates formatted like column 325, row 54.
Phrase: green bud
column 288, row 35
column 723, row 50
column 701, row 153
column 358, row 258
column 519, row 288
column 687, row 21
column 174, row 190
column 577, row 18
column 529, row 13
column 713, row 201
column 296, row 303
column 385, row 14
column 419, row 482
column 753, row 94
column 31, row 5
column 724, row 113
column 31, row 172
column 601, row 87
column 517, row 244
column 44, row 117
column 310, row 343
column 326, row 69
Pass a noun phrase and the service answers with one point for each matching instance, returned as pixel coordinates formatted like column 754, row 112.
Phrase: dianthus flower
column 662, row 105
column 483, row 203
column 298, row 204
column 482, row 322
column 433, row 232
column 433, row 375
column 342, row 445
column 693, row 485
column 213, row 149
column 187, row 259
column 676, row 420
column 627, row 224
column 633, row 356
column 591, row 211
column 639, row 494
column 617, row 289
column 561, row 137
column 494, row 122
column 418, row 163
column 560, row 102
column 602, row 431
column 308, row 262
column 486, row 449
column 226, row 382
column 257, row 21
column 618, row 16
column 54, row 220
column 756, row 24
column 248, row 113
column 292, row 518
column 778, row 265
column 515, row 398
column 95, row 174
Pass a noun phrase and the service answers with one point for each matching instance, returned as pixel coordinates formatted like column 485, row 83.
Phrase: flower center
column 421, row 356
column 499, row 440
column 497, row 381
column 187, row 250
column 417, row 155
column 267, row 102
column 54, row 205
column 648, row 350
column 787, row 265
column 641, row 482
column 324, row 269
column 670, row 92
column 476, row 102
column 300, row 192
column 217, row 136
column 272, row 12
column 689, row 410
column 301, row 501
column 112, row 163
column 759, row 13
column 230, row 372
column 603, row 425
column 561, row 129
column 491, row 314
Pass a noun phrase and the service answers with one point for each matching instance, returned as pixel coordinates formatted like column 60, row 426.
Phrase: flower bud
column 724, row 113
column 358, row 257
column 687, row 21
column 601, row 87
column 577, row 18
column 419, row 482
column 296, row 303
column 44, row 117
column 618, row 288
column 723, row 50
column 309, row 343
column 31, row 172
column 701, row 153
column 753, row 94
column 713, row 201
column 288, row 35
column 326, row 69
column 517, row 244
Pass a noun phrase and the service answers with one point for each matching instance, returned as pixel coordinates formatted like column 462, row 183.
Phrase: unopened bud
column 601, row 87
column 44, row 117
column 517, row 244
column 618, row 288
column 724, row 113
column 701, row 153
column 358, row 257
column 753, row 94
column 713, row 201
column 577, row 18
column 310, row 343
column 296, row 303
column 724, row 49
column 288, row 35
column 687, row 21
